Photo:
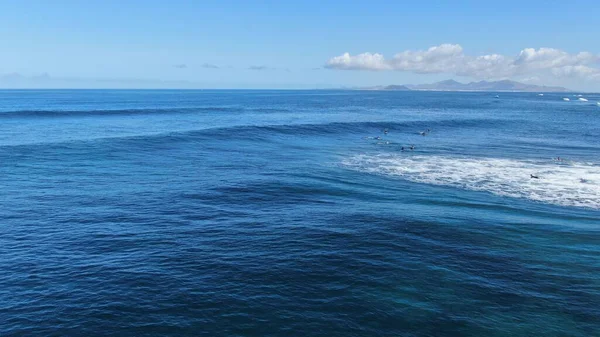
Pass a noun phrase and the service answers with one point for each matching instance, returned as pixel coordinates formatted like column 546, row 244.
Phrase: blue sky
column 284, row 44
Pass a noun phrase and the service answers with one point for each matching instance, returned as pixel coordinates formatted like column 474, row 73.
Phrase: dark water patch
column 34, row 114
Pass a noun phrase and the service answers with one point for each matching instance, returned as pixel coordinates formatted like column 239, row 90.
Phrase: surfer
column 534, row 177
column 412, row 147
column 385, row 131
column 402, row 149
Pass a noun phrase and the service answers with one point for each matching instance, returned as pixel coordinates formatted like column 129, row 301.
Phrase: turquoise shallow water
column 269, row 213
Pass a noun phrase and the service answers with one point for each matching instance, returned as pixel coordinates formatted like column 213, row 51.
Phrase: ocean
column 298, row 213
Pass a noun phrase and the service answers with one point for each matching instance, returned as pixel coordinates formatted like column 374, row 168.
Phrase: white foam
column 583, row 99
column 566, row 99
column 560, row 183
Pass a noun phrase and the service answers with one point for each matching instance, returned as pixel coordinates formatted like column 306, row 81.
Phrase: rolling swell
column 130, row 112
column 412, row 127
column 259, row 132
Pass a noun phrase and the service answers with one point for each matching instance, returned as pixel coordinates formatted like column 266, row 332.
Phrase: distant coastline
column 481, row 86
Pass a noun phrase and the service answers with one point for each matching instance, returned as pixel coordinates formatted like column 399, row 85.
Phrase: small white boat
column 566, row 99
column 583, row 99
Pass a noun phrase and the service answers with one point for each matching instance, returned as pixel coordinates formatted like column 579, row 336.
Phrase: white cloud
column 577, row 72
column 364, row 61
column 451, row 59
column 531, row 79
column 553, row 58
column 433, row 60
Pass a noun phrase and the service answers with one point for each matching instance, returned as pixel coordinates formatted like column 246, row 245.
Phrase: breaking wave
column 561, row 183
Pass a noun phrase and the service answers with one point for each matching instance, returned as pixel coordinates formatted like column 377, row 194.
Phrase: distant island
column 452, row 85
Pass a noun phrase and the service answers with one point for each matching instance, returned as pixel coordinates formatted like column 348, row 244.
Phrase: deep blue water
column 278, row 213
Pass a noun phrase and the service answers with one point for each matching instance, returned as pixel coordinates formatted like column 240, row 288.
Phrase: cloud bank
column 259, row 68
column 210, row 66
column 451, row 59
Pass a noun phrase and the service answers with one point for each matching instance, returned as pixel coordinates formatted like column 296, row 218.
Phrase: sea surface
column 281, row 213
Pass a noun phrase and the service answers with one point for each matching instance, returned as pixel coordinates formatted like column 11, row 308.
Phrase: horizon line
column 300, row 89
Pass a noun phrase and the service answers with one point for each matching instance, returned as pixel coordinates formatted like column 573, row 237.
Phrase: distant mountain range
column 452, row 85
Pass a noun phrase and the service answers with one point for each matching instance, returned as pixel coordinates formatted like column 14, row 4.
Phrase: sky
column 301, row 44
